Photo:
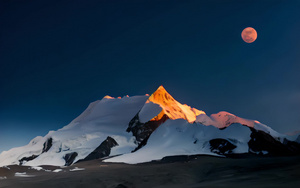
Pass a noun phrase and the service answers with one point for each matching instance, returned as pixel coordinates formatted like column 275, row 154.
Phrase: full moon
column 249, row 35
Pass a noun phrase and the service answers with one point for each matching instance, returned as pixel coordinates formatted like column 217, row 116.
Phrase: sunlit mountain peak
column 172, row 108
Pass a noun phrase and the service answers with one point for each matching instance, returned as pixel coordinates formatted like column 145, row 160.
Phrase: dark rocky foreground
column 179, row 172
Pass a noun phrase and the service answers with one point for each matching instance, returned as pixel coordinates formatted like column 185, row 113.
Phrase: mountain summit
column 172, row 108
column 145, row 128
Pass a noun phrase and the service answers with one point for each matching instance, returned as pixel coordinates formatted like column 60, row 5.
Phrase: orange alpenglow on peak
column 172, row 108
column 108, row 97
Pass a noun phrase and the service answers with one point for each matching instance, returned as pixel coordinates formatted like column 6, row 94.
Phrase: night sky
column 58, row 56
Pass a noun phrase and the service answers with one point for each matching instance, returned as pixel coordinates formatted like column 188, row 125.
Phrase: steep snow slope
column 103, row 118
column 169, row 106
column 178, row 137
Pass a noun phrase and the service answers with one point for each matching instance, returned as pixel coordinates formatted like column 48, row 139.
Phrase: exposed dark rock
column 134, row 124
column 141, row 144
column 69, row 158
column 26, row 159
column 47, row 145
column 221, row 146
column 142, row 131
column 103, row 150
column 294, row 147
column 261, row 141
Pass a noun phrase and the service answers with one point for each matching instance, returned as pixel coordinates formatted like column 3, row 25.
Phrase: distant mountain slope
column 102, row 119
column 144, row 128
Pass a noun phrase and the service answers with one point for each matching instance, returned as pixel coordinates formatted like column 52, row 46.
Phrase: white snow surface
column 57, row 170
column 102, row 118
column 76, row 169
column 178, row 137
column 149, row 111
column 225, row 119
column 111, row 116
column 38, row 168
column 23, row 174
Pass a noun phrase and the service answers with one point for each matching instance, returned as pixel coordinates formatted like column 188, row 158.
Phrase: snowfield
column 185, row 131
column 178, row 137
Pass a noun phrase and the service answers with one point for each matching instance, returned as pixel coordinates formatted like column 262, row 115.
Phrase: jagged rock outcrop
column 221, row 146
column 26, row 159
column 134, row 126
column 69, row 158
column 142, row 131
column 263, row 143
column 294, row 147
column 103, row 150
column 47, row 145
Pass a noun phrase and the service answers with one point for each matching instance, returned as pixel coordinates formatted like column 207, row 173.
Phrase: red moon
column 249, row 35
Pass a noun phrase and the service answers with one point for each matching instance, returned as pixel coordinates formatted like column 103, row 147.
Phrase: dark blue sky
column 58, row 56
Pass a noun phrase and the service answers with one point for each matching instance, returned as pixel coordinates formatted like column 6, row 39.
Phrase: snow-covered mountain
column 145, row 128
